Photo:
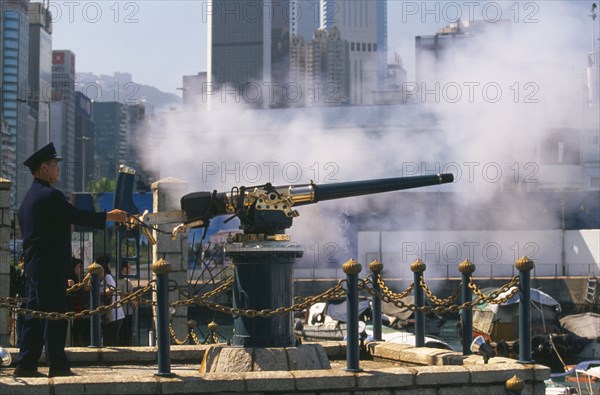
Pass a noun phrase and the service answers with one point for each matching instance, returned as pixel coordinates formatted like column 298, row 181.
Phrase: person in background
column 80, row 300
column 113, row 319
column 45, row 217
column 126, row 335
column 18, row 289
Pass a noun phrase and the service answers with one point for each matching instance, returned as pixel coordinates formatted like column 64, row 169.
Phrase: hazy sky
column 158, row 41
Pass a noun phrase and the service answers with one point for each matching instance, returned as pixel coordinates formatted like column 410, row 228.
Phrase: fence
column 350, row 287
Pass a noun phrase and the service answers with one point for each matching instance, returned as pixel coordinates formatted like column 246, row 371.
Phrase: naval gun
column 264, row 256
column 270, row 210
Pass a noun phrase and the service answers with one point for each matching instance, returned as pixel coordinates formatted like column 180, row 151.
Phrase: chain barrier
column 437, row 301
column 386, row 291
column 212, row 338
column 492, row 297
column 76, row 287
column 174, row 336
column 74, row 315
column 440, row 309
column 10, row 302
column 336, row 292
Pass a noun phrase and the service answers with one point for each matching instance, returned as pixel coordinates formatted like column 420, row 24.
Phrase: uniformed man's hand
column 116, row 215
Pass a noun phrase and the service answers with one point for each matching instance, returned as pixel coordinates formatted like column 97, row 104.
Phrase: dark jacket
column 45, row 217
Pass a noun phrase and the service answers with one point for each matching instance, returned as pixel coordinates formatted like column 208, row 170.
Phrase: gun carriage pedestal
column 264, row 260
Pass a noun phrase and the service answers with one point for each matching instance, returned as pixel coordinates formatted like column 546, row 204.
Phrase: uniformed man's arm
column 65, row 211
column 116, row 215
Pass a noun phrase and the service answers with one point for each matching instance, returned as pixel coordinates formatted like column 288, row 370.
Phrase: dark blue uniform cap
column 42, row 155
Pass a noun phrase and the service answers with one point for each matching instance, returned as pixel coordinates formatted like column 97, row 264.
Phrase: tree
column 102, row 185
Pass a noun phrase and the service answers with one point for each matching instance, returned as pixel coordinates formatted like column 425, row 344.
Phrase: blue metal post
column 95, row 271
column 376, row 268
column 352, row 268
column 524, row 266
column 264, row 279
column 466, row 268
column 418, row 267
column 162, row 269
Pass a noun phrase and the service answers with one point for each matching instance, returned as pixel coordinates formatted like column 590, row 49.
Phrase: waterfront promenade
column 388, row 369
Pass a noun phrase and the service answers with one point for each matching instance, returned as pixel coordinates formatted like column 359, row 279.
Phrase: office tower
column 85, row 167
column 119, row 131
column 110, row 128
column 249, row 48
column 135, row 139
column 192, row 94
column 63, row 104
column 441, row 56
column 40, row 71
column 327, row 69
column 14, row 53
column 363, row 23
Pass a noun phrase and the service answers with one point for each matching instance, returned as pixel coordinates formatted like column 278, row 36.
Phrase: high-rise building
column 14, row 54
column 438, row 57
column 327, row 69
column 249, row 48
column 110, row 126
column 192, row 93
column 363, row 23
column 119, row 131
column 40, row 71
column 137, row 133
column 85, row 166
column 63, row 91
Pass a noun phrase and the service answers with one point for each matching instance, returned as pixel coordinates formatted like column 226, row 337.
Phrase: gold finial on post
column 515, row 384
column 418, row 266
column 524, row 264
column 161, row 267
column 351, row 267
column 466, row 267
column 375, row 266
column 212, row 326
column 94, row 268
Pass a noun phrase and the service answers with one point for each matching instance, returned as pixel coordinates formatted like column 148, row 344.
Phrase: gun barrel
column 314, row 193
column 206, row 205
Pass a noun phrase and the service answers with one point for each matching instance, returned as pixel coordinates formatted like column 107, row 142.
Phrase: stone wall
column 5, row 230
column 166, row 195
column 407, row 371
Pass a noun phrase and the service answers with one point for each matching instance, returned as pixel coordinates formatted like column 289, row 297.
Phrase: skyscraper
column 40, row 71
column 63, row 91
column 110, row 128
column 85, row 167
column 119, row 130
column 327, row 68
column 14, row 55
column 363, row 23
column 249, row 48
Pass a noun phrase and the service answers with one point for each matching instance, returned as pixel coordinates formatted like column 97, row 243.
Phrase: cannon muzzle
column 369, row 187
column 269, row 209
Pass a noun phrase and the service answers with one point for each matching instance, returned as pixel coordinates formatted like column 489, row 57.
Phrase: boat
column 402, row 318
column 581, row 379
column 585, row 326
column 577, row 342
column 327, row 321
column 500, row 322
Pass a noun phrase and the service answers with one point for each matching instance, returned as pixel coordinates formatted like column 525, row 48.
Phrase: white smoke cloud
column 497, row 96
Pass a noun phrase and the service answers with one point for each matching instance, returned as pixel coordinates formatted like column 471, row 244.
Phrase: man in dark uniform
column 45, row 217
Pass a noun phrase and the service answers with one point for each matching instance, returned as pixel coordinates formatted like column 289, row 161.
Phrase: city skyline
column 173, row 38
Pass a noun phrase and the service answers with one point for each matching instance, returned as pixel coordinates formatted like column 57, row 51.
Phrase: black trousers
column 45, row 294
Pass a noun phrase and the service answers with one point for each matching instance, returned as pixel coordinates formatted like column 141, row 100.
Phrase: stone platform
column 391, row 369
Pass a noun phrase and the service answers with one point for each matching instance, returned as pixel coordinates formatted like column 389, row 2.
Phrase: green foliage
column 102, row 185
